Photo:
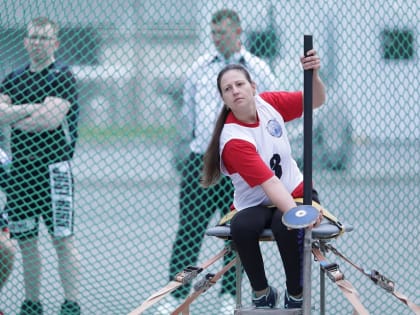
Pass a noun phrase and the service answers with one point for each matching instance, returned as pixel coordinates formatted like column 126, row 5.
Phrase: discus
column 300, row 217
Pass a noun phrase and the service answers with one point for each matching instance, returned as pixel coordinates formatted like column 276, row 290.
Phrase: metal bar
column 322, row 245
column 238, row 282
column 307, row 127
column 307, row 263
column 322, row 291
column 307, row 176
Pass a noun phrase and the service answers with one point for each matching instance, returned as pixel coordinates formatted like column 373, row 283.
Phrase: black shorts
column 41, row 191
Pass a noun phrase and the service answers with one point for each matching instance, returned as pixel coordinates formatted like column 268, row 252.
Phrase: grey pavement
column 127, row 210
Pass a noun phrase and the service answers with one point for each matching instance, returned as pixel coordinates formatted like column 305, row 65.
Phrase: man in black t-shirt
column 39, row 102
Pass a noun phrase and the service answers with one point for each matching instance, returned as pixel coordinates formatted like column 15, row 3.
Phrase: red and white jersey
column 253, row 153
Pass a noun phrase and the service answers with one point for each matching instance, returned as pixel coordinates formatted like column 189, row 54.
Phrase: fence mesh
column 130, row 60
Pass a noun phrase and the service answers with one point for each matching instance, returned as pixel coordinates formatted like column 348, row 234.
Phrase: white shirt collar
column 237, row 57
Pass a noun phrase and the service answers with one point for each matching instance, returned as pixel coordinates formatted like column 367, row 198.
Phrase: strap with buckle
column 188, row 274
column 382, row 281
column 183, row 277
column 332, row 270
column 202, row 286
column 204, row 283
column 379, row 279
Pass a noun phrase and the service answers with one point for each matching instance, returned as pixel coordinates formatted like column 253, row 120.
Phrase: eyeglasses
column 40, row 38
column 218, row 33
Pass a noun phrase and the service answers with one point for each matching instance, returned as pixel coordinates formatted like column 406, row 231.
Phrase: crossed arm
column 33, row 117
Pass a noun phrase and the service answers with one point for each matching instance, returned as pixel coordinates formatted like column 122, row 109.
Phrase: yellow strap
column 226, row 218
column 326, row 214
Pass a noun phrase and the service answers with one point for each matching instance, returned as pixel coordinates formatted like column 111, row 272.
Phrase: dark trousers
column 197, row 206
column 246, row 228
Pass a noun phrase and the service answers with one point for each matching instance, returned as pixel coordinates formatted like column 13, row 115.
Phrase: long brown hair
column 211, row 168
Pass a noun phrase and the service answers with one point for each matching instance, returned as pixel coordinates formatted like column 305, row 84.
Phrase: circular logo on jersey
column 274, row 128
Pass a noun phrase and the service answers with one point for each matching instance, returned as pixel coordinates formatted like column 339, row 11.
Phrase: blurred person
column 39, row 102
column 7, row 252
column 250, row 145
column 201, row 105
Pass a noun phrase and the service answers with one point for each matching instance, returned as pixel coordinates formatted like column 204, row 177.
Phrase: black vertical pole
column 307, row 126
column 307, row 175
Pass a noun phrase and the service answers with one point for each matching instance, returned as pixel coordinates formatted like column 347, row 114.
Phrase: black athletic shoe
column 70, row 308
column 291, row 302
column 31, row 308
column 269, row 300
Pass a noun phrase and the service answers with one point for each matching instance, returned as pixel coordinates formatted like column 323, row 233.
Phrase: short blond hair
column 224, row 14
column 43, row 21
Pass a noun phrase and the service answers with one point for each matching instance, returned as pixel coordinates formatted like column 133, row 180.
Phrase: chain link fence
column 130, row 60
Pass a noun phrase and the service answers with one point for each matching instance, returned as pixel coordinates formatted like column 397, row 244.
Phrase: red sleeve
column 288, row 104
column 240, row 156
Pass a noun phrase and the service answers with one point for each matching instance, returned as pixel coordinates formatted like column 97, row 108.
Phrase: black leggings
column 246, row 227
